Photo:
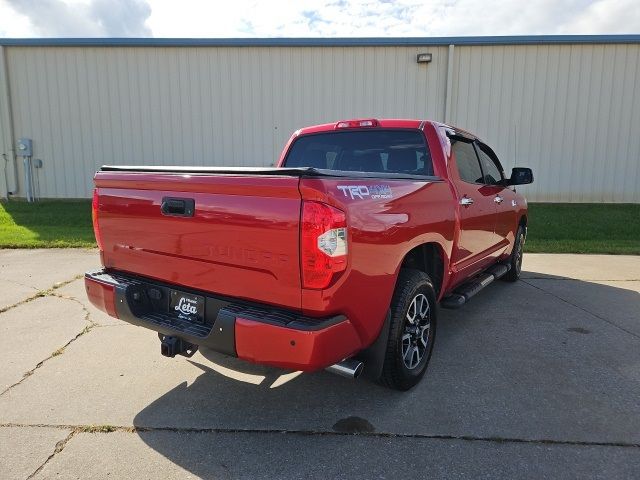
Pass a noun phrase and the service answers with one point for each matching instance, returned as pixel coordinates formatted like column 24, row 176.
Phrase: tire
column 515, row 260
column 406, row 360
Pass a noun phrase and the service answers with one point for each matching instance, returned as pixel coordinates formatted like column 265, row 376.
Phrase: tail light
column 324, row 244
column 94, row 218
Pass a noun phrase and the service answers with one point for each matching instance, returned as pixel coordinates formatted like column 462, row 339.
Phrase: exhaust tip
column 350, row 368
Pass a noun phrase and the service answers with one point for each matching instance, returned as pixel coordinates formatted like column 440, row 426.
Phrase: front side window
column 466, row 161
column 383, row 151
column 491, row 172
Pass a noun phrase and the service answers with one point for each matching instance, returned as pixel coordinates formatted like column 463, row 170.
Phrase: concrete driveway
column 535, row 379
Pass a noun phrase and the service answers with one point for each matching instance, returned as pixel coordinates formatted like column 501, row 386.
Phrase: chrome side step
column 464, row 292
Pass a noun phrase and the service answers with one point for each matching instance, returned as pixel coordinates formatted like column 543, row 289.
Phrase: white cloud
column 320, row 18
column 75, row 18
column 610, row 16
column 12, row 24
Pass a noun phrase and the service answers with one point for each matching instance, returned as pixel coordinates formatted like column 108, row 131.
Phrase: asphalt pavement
column 537, row 379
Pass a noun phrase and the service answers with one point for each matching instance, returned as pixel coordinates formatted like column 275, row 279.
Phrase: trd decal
column 362, row 191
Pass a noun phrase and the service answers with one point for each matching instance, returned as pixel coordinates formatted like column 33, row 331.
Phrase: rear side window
column 492, row 175
column 467, row 162
column 383, row 151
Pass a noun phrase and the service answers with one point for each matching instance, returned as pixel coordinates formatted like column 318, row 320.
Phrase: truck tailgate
column 242, row 239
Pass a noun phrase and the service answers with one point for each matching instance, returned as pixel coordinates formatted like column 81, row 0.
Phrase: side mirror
column 520, row 176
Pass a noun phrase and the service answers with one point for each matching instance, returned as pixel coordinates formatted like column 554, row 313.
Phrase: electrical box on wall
column 24, row 147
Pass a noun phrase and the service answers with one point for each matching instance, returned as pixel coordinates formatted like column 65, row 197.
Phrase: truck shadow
column 496, row 369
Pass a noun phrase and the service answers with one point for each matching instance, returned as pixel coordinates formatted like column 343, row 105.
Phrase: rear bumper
column 253, row 332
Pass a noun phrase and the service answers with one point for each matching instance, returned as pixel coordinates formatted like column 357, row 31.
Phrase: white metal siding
column 573, row 110
column 85, row 107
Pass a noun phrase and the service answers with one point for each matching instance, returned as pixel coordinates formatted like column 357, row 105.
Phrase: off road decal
column 362, row 191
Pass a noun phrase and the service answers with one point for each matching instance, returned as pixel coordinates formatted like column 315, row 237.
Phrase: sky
column 319, row 18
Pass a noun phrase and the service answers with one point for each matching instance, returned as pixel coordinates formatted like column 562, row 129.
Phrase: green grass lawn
column 553, row 227
column 584, row 228
column 49, row 223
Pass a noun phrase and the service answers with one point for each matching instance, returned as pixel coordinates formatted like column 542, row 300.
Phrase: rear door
column 504, row 197
column 477, row 209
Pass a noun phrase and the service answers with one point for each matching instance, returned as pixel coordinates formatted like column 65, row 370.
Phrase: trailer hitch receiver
column 172, row 346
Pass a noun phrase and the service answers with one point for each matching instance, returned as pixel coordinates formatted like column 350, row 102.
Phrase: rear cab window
column 467, row 162
column 375, row 150
column 492, row 174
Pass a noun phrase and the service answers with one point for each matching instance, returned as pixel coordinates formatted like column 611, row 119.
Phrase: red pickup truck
column 337, row 258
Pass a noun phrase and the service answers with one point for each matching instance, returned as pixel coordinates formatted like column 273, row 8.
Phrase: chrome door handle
column 498, row 199
column 466, row 201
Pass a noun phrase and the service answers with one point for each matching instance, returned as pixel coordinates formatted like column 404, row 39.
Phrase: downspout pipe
column 7, row 120
column 448, row 92
column 5, row 164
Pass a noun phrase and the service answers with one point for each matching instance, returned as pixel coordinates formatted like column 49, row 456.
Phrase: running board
column 464, row 292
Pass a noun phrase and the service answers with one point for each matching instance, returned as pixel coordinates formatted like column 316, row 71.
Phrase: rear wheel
column 413, row 329
column 515, row 260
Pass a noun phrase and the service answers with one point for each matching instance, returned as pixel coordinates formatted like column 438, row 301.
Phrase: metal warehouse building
column 567, row 106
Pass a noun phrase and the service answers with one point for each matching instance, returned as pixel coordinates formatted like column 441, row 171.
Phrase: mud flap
column 373, row 357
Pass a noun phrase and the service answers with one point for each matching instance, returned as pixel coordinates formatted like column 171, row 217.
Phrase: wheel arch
column 427, row 257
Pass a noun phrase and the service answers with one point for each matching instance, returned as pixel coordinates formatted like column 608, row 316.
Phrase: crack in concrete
column 60, row 350
column 87, row 314
column 54, row 354
column 40, row 293
column 57, row 449
column 20, row 283
column 52, row 293
column 583, row 309
column 106, row 429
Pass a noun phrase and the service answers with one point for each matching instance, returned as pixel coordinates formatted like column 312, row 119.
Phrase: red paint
column 381, row 233
column 295, row 349
column 244, row 242
column 101, row 296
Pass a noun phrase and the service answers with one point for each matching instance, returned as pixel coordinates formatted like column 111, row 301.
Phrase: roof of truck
column 380, row 123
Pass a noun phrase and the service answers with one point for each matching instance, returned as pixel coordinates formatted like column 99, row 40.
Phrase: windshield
column 389, row 151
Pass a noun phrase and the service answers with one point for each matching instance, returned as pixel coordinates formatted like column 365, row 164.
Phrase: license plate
column 187, row 306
